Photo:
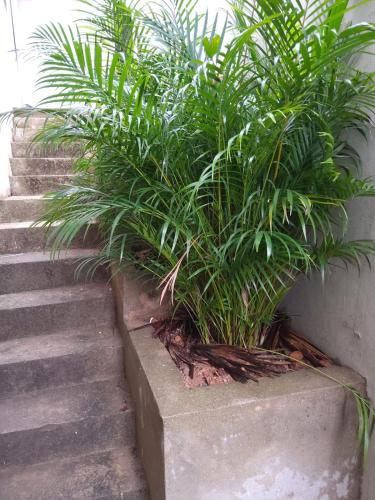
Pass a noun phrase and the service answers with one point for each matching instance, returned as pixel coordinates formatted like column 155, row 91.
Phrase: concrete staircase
column 66, row 419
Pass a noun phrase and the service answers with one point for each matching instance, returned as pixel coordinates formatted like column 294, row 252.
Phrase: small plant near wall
column 216, row 152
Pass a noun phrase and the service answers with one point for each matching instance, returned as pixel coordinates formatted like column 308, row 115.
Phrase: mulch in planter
column 208, row 364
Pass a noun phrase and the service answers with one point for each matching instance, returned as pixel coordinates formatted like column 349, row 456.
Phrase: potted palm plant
column 216, row 159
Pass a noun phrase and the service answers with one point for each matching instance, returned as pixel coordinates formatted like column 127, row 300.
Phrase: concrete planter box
column 292, row 437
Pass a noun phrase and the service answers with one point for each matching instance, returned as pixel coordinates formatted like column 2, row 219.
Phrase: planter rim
column 174, row 399
column 221, row 434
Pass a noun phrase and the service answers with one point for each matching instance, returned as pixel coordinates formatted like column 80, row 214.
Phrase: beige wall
column 339, row 315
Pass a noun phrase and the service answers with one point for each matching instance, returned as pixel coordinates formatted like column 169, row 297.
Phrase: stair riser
column 27, row 149
column 17, row 240
column 39, row 320
column 105, row 475
column 75, row 368
column 21, row 276
column 23, row 134
column 41, row 166
column 33, row 122
column 20, row 186
column 54, row 441
column 20, row 210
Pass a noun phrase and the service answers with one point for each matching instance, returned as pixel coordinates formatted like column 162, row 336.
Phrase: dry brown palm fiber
column 240, row 363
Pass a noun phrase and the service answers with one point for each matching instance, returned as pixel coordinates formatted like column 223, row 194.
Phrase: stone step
column 38, row 312
column 41, row 166
column 105, row 475
column 24, row 133
column 37, row 184
column 65, row 421
column 27, row 149
column 21, row 237
column 33, row 122
column 65, row 357
column 36, row 271
column 21, row 208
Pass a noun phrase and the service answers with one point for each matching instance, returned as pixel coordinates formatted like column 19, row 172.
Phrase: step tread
column 64, row 404
column 43, row 176
column 26, row 236
column 23, row 197
column 48, row 145
column 36, row 298
column 24, row 166
column 21, row 208
column 30, row 257
column 17, row 225
column 61, row 343
column 28, row 223
column 38, row 184
column 26, row 148
column 43, row 158
column 106, row 475
column 38, row 270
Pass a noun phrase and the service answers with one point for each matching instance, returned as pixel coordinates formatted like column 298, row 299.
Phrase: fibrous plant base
column 282, row 351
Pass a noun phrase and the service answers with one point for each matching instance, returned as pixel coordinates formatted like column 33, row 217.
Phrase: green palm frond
column 216, row 152
column 220, row 145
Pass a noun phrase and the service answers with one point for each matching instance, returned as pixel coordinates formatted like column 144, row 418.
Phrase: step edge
column 46, row 426
column 41, row 176
column 44, row 158
column 127, row 450
column 94, row 287
column 45, row 257
column 23, row 197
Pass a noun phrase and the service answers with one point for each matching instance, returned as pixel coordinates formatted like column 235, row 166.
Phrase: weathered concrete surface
column 69, row 356
column 66, row 422
column 41, row 311
column 71, row 420
column 289, row 437
column 22, row 149
column 23, row 133
column 21, row 237
column 36, row 270
column 21, row 208
column 104, row 475
column 34, row 122
column 339, row 315
column 37, row 184
column 40, row 166
column 137, row 298
column 150, row 422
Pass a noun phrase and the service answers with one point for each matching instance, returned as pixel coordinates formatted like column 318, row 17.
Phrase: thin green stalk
column 365, row 407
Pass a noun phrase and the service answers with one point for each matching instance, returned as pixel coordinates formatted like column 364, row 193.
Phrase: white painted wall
column 17, row 82
column 6, row 92
column 339, row 315
column 18, row 86
column 30, row 14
